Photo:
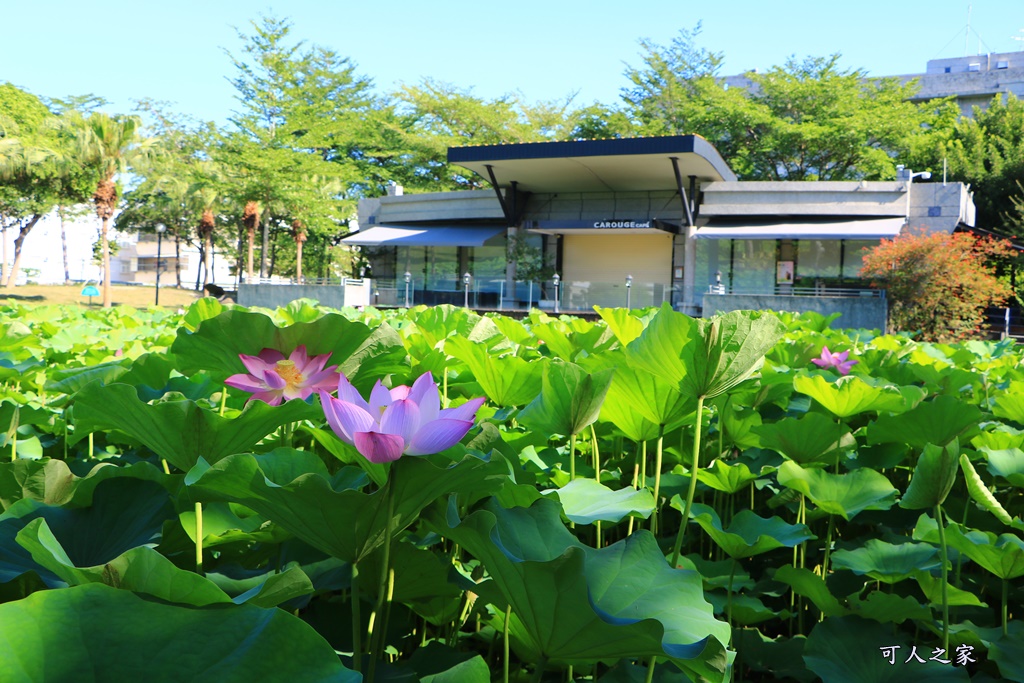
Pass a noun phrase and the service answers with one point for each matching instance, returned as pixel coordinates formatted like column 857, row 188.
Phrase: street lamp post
column 408, row 279
column 629, row 287
column 905, row 173
column 160, row 228
column 557, row 280
column 465, row 282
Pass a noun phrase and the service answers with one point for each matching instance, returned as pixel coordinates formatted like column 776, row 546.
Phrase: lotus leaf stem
column 643, row 464
column 657, row 479
column 223, row 400
column 167, row 469
column 828, row 545
column 650, row 669
column 14, row 446
column 199, row 539
column 91, row 449
column 508, row 618
column 728, row 608
column 538, row 672
column 945, row 579
column 692, row 490
column 1006, row 588
column 572, row 457
column 377, row 628
column 357, row 620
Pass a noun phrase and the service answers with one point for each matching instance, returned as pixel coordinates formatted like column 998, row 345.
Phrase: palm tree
column 299, row 234
column 251, row 220
column 110, row 144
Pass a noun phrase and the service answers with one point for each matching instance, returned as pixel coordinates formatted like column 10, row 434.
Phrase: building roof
column 614, row 165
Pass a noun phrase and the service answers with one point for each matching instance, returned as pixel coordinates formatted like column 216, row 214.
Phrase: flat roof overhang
column 807, row 229
column 614, row 165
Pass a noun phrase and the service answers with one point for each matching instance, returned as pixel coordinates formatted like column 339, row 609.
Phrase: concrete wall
column 857, row 312
column 275, row 296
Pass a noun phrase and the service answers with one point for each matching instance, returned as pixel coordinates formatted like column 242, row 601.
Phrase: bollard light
column 408, row 280
column 465, row 282
column 557, row 280
column 629, row 285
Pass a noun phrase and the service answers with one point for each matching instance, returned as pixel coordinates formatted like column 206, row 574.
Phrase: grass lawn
column 137, row 296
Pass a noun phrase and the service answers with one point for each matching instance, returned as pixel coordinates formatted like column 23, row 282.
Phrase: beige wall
column 605, row 260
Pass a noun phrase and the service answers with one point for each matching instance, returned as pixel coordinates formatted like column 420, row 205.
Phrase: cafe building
column 640, row 221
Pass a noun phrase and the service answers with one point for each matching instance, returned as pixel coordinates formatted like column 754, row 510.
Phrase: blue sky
column 546, row 50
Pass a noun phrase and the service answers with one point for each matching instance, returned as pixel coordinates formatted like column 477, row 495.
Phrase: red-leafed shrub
column 938, row 285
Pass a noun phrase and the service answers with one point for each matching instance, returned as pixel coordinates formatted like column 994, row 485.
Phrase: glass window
column 753, row 266
column 487, row 265
column 443, row 268
column 712, row 257
column 382, row 261
column 853, row 256
column 818, row 258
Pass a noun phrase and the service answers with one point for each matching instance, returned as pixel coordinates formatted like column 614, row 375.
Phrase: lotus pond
column 180, row 502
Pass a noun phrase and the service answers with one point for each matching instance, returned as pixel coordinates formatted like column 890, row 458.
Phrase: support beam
column 689, row 302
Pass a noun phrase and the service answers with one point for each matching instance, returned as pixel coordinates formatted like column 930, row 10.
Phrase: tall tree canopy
column 805, row 120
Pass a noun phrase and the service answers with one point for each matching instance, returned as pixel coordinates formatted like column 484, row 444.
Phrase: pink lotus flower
column 835, row 360
column 403, row 420
column 273, row 378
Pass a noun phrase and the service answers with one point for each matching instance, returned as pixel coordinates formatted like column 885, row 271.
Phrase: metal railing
column 790, row 290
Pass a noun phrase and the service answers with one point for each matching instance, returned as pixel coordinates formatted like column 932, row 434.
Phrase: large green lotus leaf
column 570, row 399
column 71, row 380
column 48, row 481
column 630, row 422
column 1009, row 404
column 1008, row 654
column 888, row 608
column 347, row 453
column 781, row 657
column 980, row 493
column 722, row 476
column 435, row 663
column 851, row 650
column 636, row 390
column 931, row 587
column 737, row 422
column 201, row 310
column 584, row 501
column 570, row 339
column 934, row 476
column 363, row 353
column 627, row 672
column 811, row 438
column 422, row 582
column 747, row 534
column 346, row 524
column 934, row 422
column 887, row 562
column 624, row 325
column 52, row 482
column 851, row 395
column 225, row 523
column 705, row 357
column 125, row 513
column 840, row 494
column 1000, row 438
column 1002, row 555
column 181, row 431
column 1007, row 463
column 573, row 604
column 144, row 570
column 507, row 380
column 808, row 584
column 437, row 323
column 97, row 633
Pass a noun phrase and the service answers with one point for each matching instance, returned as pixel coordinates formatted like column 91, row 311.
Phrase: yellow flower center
column 289, row 373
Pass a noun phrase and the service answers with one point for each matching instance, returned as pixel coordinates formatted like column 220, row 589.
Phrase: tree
column 937, row 284
column 38, row 170
column 986, row 151
column 299, row 108
column 805, row 120
column 109, row 144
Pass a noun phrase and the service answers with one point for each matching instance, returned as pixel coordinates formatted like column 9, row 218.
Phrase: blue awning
column 831, row 229
column 444, row 236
